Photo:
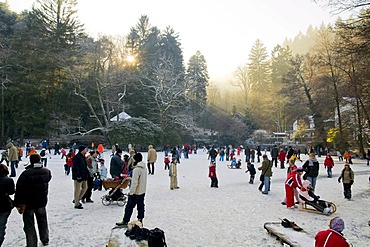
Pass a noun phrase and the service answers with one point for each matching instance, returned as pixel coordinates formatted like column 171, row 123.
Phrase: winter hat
column 138, row 157
column 118, row 151
column 337, row 224
column 81, row 148
column 35, row 158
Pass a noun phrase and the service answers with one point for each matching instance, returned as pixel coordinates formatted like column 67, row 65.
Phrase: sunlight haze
column 222, row 30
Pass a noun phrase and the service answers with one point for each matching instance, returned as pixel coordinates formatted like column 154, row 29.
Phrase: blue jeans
column 3, row 220
column 266, row 183
column 13, row 164
column 312, row 181
column 134, row 200
column 330, row 174
column 222, row 157
column 29, row 226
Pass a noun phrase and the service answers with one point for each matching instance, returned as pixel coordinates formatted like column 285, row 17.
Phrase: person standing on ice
column 152, row 158
column 173, row 175
column 137, row 192
column 212, row 174
column 31, row 197
column 266, row 169
column 347, row 177
column 79, row 176
column 311, row 167
column 7, row 188
column 329, row 164
column 291, row 183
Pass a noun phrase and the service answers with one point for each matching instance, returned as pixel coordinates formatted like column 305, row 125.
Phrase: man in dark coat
column 274, row 155
column 31, row 197
column 80, row 174
column 213, row 154
column 7, row 188
column 116, row 164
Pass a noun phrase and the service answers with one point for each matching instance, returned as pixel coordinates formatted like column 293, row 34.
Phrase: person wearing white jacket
column 137, row 192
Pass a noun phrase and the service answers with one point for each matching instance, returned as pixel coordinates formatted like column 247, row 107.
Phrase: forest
column 59, row 83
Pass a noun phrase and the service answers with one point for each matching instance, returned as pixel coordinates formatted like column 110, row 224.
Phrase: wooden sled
column 288, row 235
column 308, row 208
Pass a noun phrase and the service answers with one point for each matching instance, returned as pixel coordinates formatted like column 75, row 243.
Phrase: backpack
column 42, row 153
column 156, row 238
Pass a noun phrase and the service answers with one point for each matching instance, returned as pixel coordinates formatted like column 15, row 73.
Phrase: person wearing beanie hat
column 347, row 177
column 137, row 192
column 31, row 197
column 333, row 236
column 81, row 148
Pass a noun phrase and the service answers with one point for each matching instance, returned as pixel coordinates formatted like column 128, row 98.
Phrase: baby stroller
column 115, row 195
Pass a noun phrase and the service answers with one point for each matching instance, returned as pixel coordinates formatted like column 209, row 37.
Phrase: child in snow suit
column 281, row 158
column 173, row 175
column 329, row 164
column 167, row 162
column 212, row 174
column 69, row 161
column 347, row 177
column 252, row 172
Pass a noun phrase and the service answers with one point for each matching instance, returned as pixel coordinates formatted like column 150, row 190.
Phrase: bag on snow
column 156, row 238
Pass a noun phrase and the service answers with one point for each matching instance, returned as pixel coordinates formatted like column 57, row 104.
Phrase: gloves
column 79, row 180
column 339, row 180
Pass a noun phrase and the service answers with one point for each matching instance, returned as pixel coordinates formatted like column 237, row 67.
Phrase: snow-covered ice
column 197, row 215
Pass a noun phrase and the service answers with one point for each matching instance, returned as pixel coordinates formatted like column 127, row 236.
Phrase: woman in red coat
column 292, row 182
column 281, row 158
column 212, row 174
column 333, row 236
column 329, row 163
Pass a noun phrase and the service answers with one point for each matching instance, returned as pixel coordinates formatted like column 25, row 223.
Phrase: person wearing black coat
column 7, row 188
column 31, row 198
column 116, row 164
column 80, row 174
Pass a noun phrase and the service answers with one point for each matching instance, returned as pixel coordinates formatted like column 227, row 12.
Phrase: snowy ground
column 197, row 215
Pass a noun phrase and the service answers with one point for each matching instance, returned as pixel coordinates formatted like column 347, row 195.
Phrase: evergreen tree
column 197, row 80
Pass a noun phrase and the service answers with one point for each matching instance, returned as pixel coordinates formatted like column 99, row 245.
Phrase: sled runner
column 287, row 232
column 308, row 207
column 115, row 195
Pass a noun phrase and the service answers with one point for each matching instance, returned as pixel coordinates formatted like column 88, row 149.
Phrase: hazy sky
column 222, row 30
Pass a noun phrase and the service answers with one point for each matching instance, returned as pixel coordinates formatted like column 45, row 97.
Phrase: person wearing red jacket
column 281, row 158
column 329, row 164
column 292, row 182
column 333, row 236
column 212, row 174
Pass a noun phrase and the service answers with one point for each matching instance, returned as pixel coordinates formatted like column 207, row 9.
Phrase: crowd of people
column 88, row 166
